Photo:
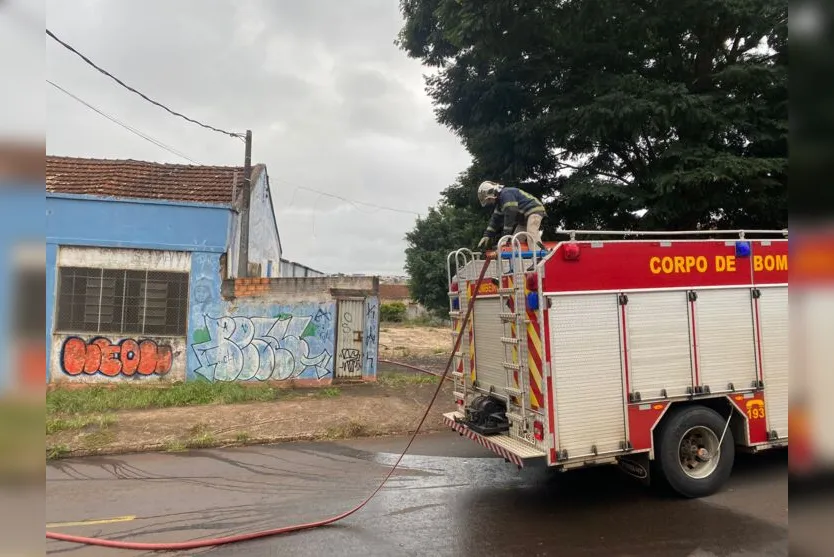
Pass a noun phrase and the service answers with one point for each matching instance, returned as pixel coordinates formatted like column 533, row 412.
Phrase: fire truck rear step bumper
column 504, row 446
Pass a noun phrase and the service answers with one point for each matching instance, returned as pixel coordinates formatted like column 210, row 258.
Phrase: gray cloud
column 332, row 103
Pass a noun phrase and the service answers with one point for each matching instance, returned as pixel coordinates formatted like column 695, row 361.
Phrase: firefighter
column 515, row 211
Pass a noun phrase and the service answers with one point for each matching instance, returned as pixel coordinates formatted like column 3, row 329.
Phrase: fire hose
column 212, row 542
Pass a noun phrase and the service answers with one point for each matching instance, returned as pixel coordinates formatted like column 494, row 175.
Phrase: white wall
column 264, row 240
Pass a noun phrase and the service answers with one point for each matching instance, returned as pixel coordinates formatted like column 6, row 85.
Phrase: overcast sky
column 332, row 103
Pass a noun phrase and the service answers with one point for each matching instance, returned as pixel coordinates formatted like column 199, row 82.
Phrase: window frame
column 67, row 299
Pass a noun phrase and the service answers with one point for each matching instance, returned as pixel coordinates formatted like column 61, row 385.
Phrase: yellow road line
column 92, row 522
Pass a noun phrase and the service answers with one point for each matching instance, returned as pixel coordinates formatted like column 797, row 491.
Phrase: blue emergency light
column 533, row 301
column 742, row 249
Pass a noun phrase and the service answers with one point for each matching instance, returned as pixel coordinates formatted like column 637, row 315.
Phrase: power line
column 355, row 203
column 129, row 88
column 131, row 129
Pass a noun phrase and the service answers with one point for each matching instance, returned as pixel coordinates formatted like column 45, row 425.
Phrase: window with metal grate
column 111, row 301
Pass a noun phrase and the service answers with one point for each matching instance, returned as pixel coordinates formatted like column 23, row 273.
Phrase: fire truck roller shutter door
column 773, row 323
column 658, row 326
column 587, row 371
column 489, row 352
column 725, row 337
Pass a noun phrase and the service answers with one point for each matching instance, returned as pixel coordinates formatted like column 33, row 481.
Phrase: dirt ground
column 388, row 407
column 405, row 342
column 391, row 407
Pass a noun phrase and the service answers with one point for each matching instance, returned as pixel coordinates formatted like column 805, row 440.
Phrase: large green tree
column 625, row 114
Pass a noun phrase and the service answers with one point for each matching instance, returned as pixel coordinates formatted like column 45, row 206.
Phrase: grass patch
column 57, row 451
column 352, row 428
column 330, row 392
column 99, row 399
column 54, row 425
column 403, row 379
column 242, row 437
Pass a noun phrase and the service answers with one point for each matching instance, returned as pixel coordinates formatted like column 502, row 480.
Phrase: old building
column 136, row 256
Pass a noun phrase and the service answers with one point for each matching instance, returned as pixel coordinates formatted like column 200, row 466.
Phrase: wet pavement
column 451, row 498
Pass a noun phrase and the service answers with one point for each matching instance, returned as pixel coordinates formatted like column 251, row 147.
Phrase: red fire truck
column 660, row 351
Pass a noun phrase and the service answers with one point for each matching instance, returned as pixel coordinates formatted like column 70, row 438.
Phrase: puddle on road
column 486, row 506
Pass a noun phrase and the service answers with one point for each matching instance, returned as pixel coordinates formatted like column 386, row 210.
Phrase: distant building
column 398, row 292
column 293, row 269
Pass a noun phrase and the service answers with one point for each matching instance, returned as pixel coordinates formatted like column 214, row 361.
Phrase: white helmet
column 488, row 192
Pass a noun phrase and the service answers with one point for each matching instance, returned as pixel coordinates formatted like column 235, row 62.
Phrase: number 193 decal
column 755, row 409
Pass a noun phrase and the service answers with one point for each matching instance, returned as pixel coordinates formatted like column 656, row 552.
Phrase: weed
column 242, row 437
column 351, row 429
column 330, row 392
column 56, row 451
column 201, row 441
column 175, row 446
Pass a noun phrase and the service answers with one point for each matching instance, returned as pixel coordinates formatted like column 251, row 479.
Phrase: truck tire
column 687, row 451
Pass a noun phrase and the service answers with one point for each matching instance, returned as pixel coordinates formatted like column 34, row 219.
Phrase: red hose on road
column 211, row 542
column 415, row 368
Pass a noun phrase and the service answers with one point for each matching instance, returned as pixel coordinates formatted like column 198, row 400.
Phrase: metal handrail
column 740, row 232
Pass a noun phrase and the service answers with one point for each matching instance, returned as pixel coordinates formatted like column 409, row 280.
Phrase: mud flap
column 637, row 466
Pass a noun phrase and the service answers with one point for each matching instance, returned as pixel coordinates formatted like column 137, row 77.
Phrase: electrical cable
column 212, row 542
column 354, row 203
column 131, row 89
column 129, row 128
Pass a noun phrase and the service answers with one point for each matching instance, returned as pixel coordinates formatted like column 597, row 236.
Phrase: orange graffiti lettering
column 125, row 358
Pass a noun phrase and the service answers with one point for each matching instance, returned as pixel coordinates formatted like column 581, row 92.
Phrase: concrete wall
column 88, row 358
column 83, row 357
column 124, row 234
column 319, row 289
column 264, row 240
column 281, row 330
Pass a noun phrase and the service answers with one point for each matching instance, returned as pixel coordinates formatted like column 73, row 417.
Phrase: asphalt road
column 451, row 498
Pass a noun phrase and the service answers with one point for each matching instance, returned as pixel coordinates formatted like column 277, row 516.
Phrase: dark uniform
column 512, row 210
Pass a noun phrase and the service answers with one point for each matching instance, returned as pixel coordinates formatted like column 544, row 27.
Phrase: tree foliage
column 625, row 114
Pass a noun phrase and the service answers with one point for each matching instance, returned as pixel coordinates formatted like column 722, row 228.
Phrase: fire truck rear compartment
column 627, row 348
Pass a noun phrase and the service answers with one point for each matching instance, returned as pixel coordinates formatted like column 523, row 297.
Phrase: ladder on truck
column 459, row 261
column 514, row 319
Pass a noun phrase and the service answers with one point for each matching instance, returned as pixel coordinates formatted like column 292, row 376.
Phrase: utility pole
column 243, row 253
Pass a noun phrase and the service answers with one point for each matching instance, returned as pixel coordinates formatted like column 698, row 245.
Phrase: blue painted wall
column 252, row 340
column 145, row 224
column 370, row 337
column 83, row 220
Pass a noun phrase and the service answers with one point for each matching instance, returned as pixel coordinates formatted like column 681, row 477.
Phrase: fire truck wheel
column 690, row 460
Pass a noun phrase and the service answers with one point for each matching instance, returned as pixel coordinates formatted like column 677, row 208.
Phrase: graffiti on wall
column 127, row 357
column 351, row 360
column 264, row 348
column 370, row 335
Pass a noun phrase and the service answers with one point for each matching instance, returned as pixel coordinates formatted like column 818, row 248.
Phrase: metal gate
column 349, row 341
